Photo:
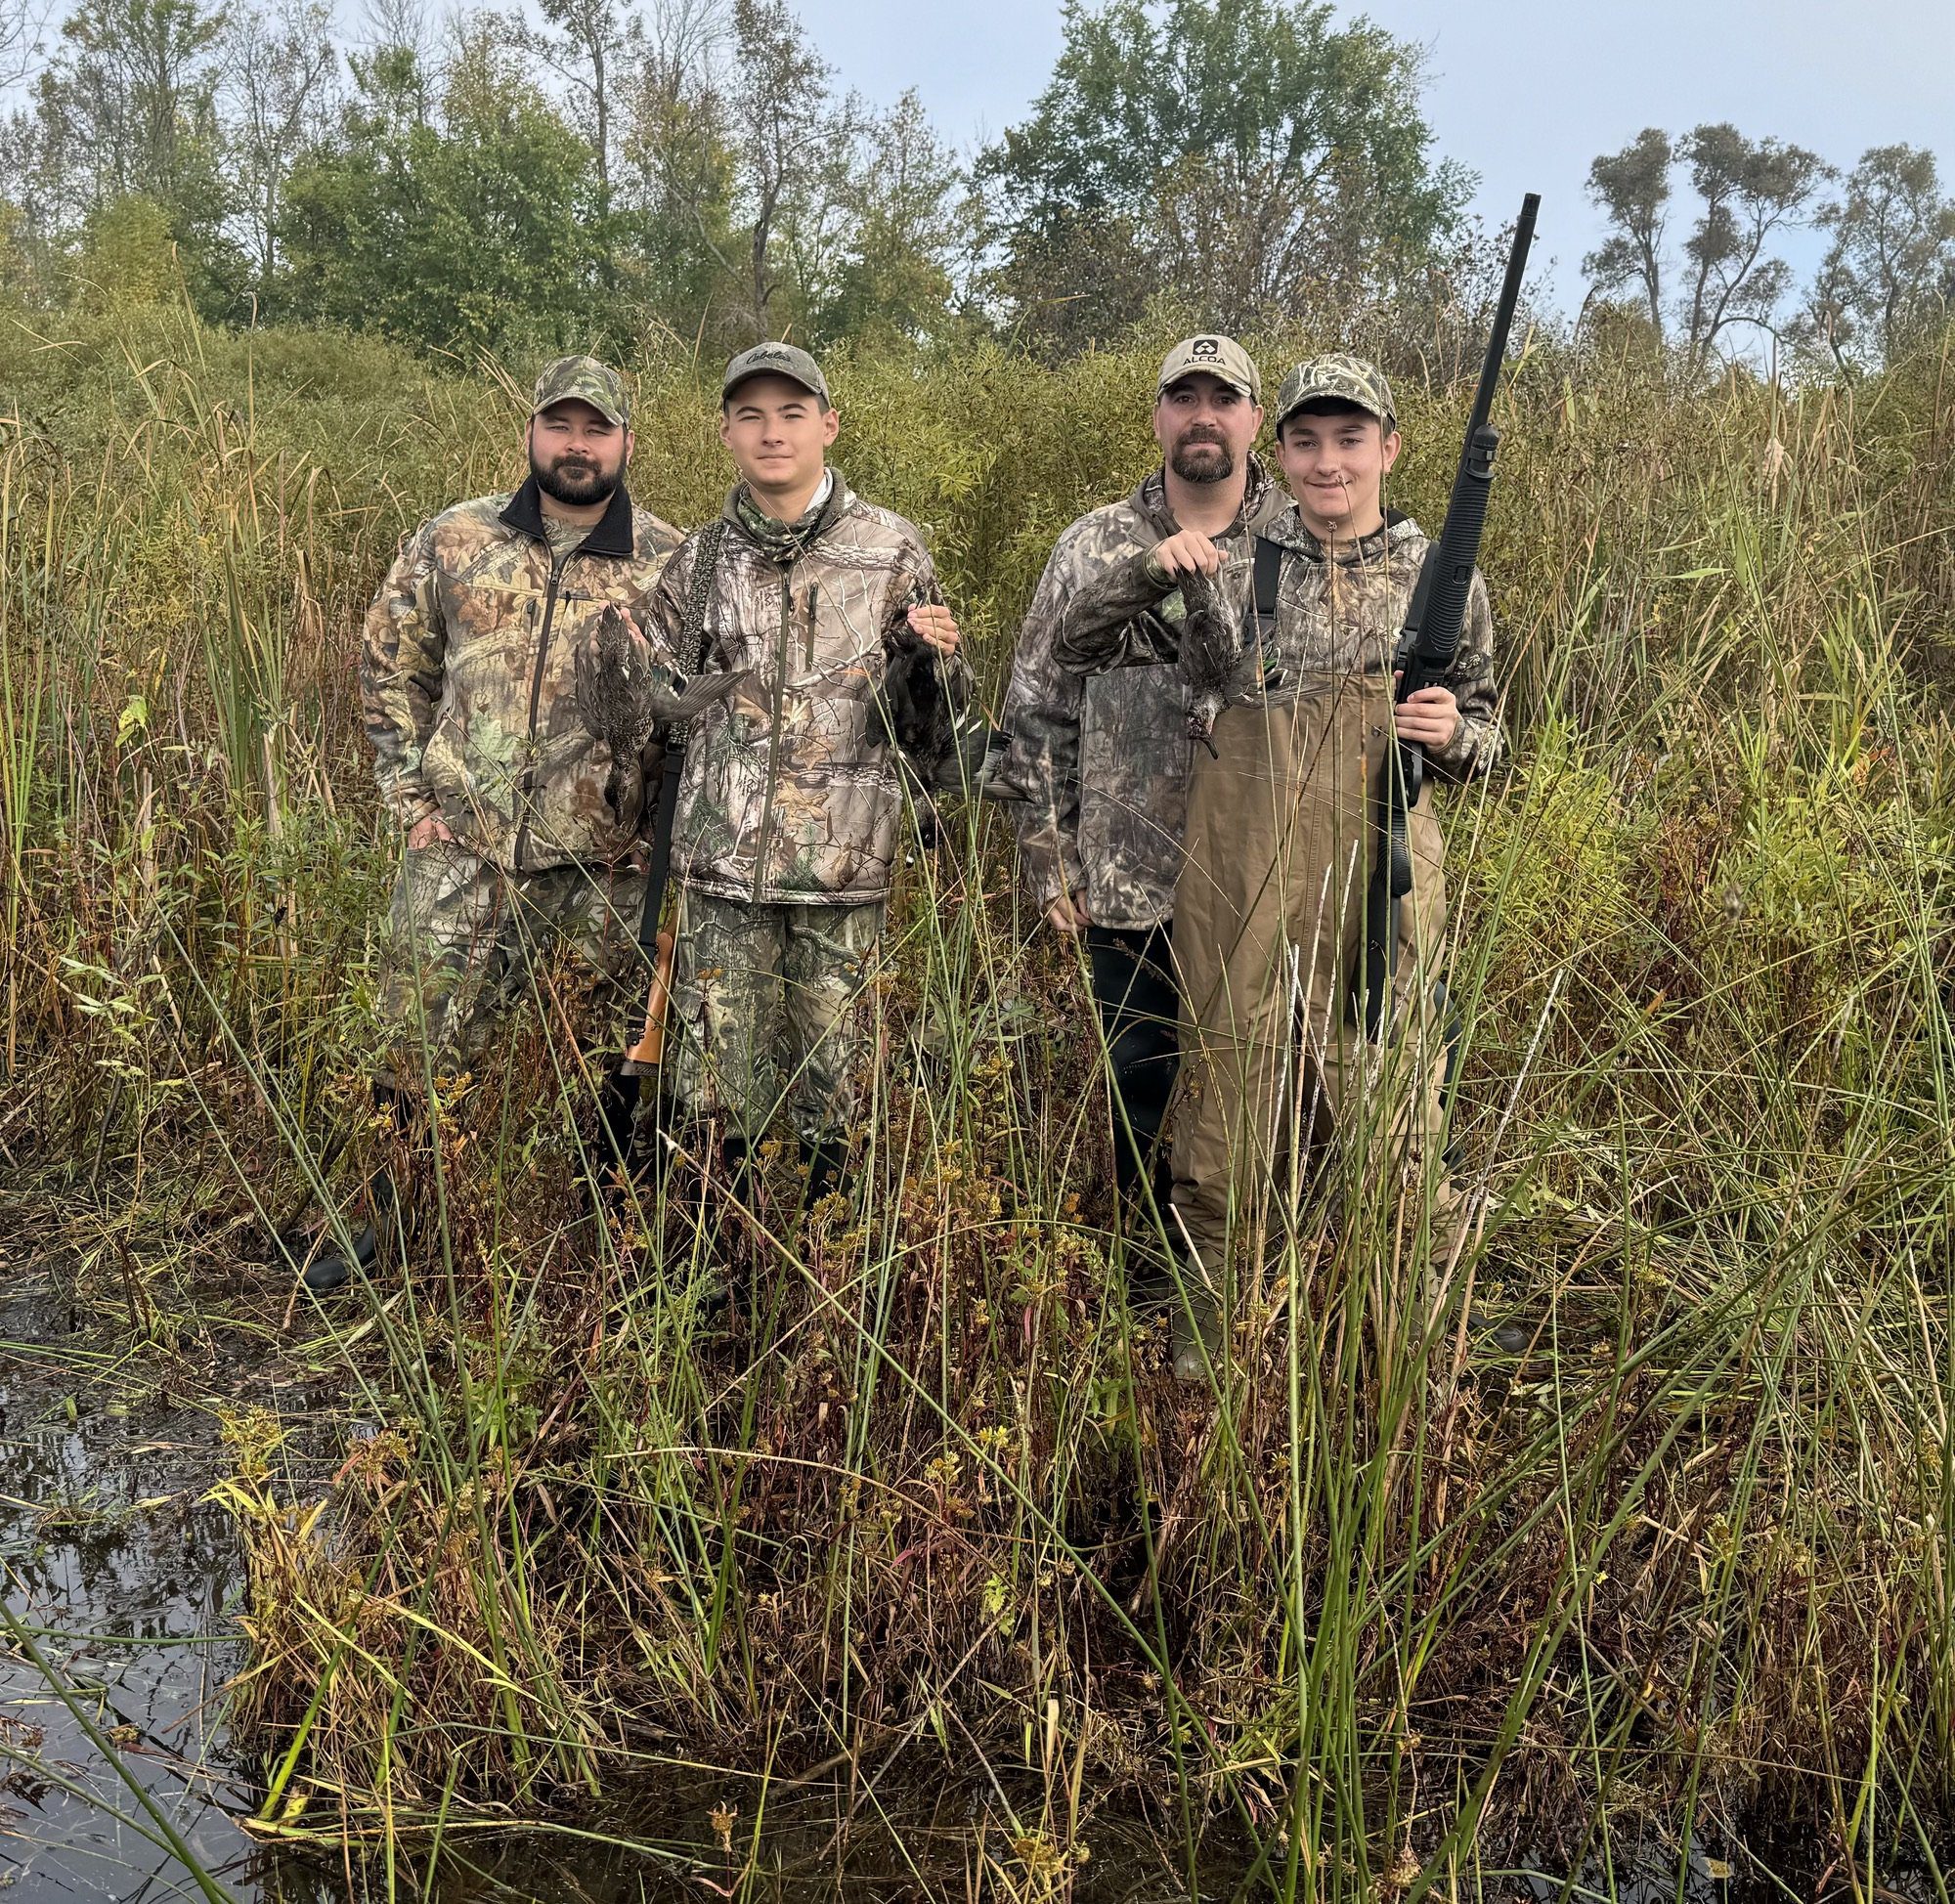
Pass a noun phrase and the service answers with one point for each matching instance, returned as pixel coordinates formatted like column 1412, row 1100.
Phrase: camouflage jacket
column 1334, row 618
column 1099, row 760
column 466, row 673
column 791, row 790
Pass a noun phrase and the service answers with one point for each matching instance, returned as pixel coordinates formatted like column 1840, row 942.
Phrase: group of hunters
column 565, row 697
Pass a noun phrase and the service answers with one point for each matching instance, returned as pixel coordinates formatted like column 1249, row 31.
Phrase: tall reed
column 1393, row 1603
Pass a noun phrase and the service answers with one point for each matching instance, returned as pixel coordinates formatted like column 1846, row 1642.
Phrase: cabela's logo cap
column 776, row 360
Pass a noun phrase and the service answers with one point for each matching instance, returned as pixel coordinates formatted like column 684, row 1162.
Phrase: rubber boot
column 1197, row 1340
column 824, row 1163
column 1148, row 1251
column 618, row 1120
column 726, row 1240
column 736, row 1169
column 617, row 1159
column 334, row 1265
column 333, row 1268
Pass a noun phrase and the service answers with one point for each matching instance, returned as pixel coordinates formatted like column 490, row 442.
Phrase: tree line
column 590, row 172
column 1885, row 282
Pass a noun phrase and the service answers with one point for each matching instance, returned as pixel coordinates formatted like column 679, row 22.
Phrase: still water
column 118, row 1777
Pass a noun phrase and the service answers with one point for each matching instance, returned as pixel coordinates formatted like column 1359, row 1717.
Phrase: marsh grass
column 1398, row 1602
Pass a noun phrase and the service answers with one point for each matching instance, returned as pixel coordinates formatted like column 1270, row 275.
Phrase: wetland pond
column 120, row 1780
column 118, row 1777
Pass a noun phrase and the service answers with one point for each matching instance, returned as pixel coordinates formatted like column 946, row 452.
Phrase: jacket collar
column 1151, row 498
column 613, row 535
column 1288, row 530
column 806, row 533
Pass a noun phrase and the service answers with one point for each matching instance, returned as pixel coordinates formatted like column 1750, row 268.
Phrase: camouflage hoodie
column 1334, row 616
column 791, row 790
column 1099, row 762
column 1343, row 615
column 467, row 673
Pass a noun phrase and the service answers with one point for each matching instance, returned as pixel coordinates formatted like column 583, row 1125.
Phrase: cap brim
column 772, row 371
column 617, row 420
column 1249, row 390
column 1282, row 417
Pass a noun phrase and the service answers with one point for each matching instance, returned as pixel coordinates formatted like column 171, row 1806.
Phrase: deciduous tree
column 1244, row 152
column 1752, row 190
column 1631, row 187
column 1890, row 274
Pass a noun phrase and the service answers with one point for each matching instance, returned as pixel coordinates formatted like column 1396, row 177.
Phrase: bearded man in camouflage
column 820, row 616
column 1269, row 911
column 516, row 834
column 1099, row 762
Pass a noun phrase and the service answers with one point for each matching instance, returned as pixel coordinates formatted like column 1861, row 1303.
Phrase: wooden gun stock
column 650, row 1050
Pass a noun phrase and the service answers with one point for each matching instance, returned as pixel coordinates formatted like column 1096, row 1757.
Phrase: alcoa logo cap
column 592, row 382
column 776, row 360
column 1215, row 357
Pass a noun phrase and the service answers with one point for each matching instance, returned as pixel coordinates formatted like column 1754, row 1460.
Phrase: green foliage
column 473, row 232
column 1888, row 278
column 128, row 255
column 127, row 111
column 1395, row 1602
column 1245, row 151
column 1632, row 187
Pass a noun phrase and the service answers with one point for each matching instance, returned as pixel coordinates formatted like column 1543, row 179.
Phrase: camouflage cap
column 778, row 361
column 589, row 381
column 1216, row 357
column 1342, row 377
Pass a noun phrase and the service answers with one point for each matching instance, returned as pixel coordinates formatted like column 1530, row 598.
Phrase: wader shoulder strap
column 1266, row 571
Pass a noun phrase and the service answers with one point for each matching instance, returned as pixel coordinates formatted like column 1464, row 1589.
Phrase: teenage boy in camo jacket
column 823, row 615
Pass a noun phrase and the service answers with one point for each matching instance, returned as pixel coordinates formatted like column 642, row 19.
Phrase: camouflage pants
column 769, row 1010
column 465, row 942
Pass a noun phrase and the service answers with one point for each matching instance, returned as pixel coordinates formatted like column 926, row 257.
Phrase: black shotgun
column 1426, row 647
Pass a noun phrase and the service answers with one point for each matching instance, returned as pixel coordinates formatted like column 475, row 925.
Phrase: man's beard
column 1203, row 459
column 574, row 481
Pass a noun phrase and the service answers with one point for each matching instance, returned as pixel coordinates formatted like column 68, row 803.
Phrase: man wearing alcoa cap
column 820, row 615
column 1100, row 764
column 1278, row 839
column 514, row 833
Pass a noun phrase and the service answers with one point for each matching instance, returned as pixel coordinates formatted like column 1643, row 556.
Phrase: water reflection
column 129, row 1583
column 123, row 1579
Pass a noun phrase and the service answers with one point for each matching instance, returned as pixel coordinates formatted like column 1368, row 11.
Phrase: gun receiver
column 1428, row 645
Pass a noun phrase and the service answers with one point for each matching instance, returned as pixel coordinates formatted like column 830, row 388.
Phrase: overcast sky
column 1523, row 91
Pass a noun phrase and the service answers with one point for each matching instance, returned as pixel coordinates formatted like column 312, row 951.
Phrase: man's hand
column 1067, row 914
column 933, row 624
column 1430, row 716
column 1186, row 553
column 424, row 833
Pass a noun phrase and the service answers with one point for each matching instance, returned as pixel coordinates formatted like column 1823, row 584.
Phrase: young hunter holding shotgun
column 818, row 619
column 1271, row 909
